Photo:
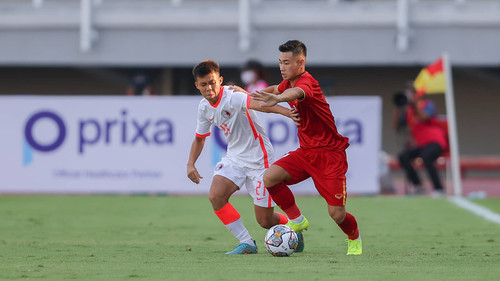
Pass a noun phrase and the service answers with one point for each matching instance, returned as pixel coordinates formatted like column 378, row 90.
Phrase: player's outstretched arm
column 273, row 89
column 292, row 94
column 194, row 153
column 278, row 109
column 271, row 99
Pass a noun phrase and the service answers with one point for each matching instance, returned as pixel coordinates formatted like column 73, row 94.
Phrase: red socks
column 227, row 214
column 283, row 196
column 283, row 218
column 350, row 227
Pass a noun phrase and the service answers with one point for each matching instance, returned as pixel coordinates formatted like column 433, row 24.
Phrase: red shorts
column 326, row 167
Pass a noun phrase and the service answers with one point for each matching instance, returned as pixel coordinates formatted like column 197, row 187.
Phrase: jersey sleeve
column 283, row 86
column 240, row 101
column 203, row 125
column 306, row 86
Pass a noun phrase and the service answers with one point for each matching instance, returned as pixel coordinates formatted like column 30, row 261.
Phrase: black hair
column 294, row 46
column 205, row 67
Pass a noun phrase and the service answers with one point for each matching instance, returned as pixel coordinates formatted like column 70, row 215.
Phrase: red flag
column 430, row 80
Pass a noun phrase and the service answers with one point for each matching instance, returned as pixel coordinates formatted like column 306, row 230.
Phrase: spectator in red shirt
column 428, row 139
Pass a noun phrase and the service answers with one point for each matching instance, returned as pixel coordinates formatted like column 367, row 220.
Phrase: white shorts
column 251, row 178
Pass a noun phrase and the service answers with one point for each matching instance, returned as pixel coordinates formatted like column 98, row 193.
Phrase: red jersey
column 426, row 132
column 317, row 126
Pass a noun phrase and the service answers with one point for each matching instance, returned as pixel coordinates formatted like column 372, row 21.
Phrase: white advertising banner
column 118, row 144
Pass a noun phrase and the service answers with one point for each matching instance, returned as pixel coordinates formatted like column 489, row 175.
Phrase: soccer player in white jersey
column 249, row 153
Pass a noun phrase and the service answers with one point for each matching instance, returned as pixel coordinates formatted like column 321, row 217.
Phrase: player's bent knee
column 212, row 198
column 271, row 180
column 269, row 183
column 217, row 201
column 274, row 175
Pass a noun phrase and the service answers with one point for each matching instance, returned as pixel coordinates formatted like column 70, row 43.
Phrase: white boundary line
column 476, row 209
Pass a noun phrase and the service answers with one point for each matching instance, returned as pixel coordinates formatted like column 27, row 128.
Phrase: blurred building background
column 357, row 47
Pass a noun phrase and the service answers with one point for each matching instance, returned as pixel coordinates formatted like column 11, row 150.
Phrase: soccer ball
column 281, row 240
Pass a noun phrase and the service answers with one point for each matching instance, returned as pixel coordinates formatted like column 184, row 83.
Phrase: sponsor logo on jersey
column 219, row 166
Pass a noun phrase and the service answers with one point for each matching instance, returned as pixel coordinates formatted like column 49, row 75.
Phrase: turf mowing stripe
column 476, row 209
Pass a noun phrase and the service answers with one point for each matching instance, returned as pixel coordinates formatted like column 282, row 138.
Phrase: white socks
column 240, row 232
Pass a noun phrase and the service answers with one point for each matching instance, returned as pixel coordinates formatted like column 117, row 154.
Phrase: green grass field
column 490, row 203
column 179, row 238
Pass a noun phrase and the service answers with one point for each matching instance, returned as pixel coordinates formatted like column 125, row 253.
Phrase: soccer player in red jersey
column 321, row 154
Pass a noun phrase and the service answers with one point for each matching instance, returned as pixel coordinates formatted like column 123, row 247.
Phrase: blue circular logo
column 29, row 128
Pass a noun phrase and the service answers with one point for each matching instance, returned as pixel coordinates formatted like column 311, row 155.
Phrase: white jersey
column 247, row 142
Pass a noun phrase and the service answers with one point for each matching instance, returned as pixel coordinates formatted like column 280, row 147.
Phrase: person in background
column 428, row 138
column 254, row 76
column 139, row 86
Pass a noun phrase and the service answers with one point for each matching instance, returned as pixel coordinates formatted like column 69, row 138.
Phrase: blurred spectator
column 254, row 76
column 139, row 85
column 428, row 139
column 385, row 177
